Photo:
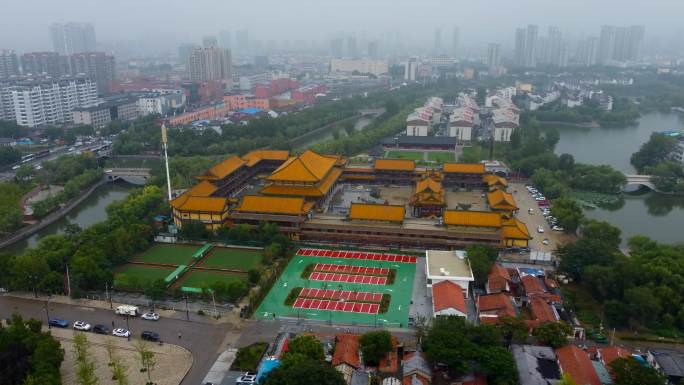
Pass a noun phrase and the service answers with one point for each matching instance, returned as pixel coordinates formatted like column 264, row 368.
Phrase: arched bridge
column 640, row 181
column 130, row 175
column 372, row 111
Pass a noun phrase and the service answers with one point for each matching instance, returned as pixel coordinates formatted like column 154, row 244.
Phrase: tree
column 9, row 155
column 119, row 371
column 628, row 371
column 497, row 364
column 598, row 246
column 566, row 162
column 481, row 259
column 513, row 329
column 657, row 149
column 374, row 346
column 307, row 346
column 85, row 367
column 554, row 334
column 568, row 212
column 146, row 356
column 304, row 372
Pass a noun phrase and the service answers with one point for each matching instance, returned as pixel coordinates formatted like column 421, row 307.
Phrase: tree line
column 655, row 158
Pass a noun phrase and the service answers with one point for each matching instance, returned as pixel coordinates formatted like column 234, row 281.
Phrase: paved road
column 203, row 339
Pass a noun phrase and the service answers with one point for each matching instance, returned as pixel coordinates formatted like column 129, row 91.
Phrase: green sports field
column 412, row 155
column 169, row 254
column 441, row 156
column 141, row 273
column 400, row 291
column 234, row 259
column 198, row 278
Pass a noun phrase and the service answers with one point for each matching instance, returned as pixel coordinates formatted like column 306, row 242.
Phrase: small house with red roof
column 491, row 307
column 498, row 280
column 346, row 358
column 576, row 363
column 448, row 299
column 415, row 370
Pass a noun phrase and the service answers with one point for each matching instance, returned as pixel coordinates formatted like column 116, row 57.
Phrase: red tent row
column 331, row 268
column 347, row 295
column 357, row 255
column 349, row 278
column 350, row 307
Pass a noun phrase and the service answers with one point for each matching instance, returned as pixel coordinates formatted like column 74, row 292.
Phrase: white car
column 80, row 325
column 558, row 228
column 150, row 316
column 121, row 332
column 540, row 229
column 545, row 241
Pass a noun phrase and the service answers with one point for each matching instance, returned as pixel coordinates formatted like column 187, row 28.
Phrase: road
column 204, row 340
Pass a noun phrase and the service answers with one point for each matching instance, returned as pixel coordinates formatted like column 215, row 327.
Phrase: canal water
column 92, row 210
column 321, row 136
column 658, row 216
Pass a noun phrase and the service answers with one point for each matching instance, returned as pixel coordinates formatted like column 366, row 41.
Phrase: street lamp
column 187, row 312
column 47, row 313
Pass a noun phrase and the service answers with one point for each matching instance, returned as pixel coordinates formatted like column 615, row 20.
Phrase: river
column 658, row 216
column 324, row 135
column 89, row 212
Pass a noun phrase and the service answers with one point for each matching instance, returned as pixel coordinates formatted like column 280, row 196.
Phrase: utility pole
column 213, row 300
column 187, row 312
column 166, row 159
column 68, row 281
column 109, row 295
column 47, row 314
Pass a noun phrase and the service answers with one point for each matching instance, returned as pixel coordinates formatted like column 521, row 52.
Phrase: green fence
column 175, row 274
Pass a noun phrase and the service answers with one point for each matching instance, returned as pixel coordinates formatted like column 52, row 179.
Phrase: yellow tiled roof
column 472, row 218
column 273, row 205
column 395, row 164
column 255, row 157
column 308, row 167
column 464, row 168
column 223, row 169
column 200, row 204
column 428, row 184
column 202, row 189
column 515, row 229
column 376, row 212
column 492, row 180
column 318, row 190
column 501, row 200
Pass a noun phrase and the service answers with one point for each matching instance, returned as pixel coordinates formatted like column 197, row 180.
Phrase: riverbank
column 306, row 139
column 27, row 231
column 544, row 123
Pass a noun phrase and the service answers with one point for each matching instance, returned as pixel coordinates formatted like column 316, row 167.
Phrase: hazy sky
column 24, row 23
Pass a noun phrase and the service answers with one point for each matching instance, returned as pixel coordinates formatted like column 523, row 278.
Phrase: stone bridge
column 639, row 181
column 137, row 176
column 372, row 111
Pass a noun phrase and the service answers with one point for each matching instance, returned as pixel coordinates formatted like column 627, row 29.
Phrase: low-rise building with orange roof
column 376, row 212
column 448, row 300
column 308, row 175
column 611, row 353
column 428, row 199
column 498, row 280
column 491, row 307
column 415, row 370
column 494, row 181
column 501, row 201
column 395, row 171
column 515, row 233
column 288, row 212
column 542, row 311
column 534, row 286
column 576, row 363
column 346, row 358
column 463, row 175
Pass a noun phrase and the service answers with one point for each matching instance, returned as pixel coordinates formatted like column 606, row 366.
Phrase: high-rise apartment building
column 336, row 47
column 587, row 50
column 242, row 41
column 373, row 50
column 526, row 46
column 9, row 65
column 438, row 40
column 621, row 43
column 225, row 39
column 519, row 53
column 205, row 64
column 606, row 44
column 185, row 50
column 493, row 55
column 455, row 39
column 45, row 63
column 210, row 42
column 352, row 48
column 98, row 66
column 73, row 38
column 35, row 102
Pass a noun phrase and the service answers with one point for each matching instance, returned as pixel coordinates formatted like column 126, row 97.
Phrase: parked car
column 100, row 329
column 82, row 325
column 558, row 228
column 58, row 322
column 120, row 332
column 246, row 379
column 150, row 336
column 545, row 241
column 150, row 316
column 540, row 229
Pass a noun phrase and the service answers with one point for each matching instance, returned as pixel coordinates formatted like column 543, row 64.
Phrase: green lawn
column 196, row 278
column 171, row 254
column 441, row 156
column 142, row 274
column 400, row 291
column 413, row 155
column 237, row 259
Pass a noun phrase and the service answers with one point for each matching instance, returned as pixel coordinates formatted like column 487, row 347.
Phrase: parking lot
column 525, row 201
